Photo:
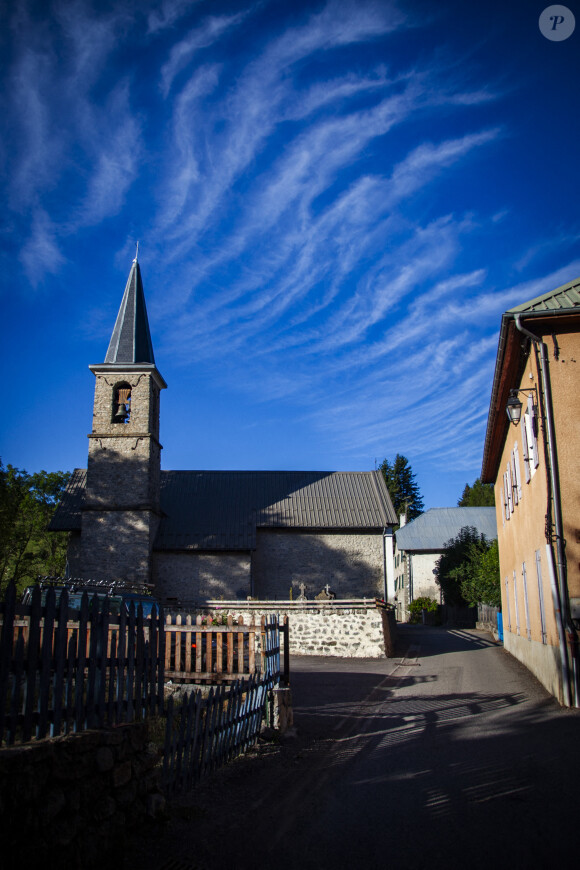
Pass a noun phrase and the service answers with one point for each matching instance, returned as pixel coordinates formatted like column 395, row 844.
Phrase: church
column 202, row 535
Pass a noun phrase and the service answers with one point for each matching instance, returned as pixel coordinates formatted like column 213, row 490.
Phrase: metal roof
column 131, row 339
column 563, row 300
column 562, row 303
column 432, row 530
column 221, row 510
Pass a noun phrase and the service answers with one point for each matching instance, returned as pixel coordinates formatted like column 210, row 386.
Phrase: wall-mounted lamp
column 514, row 406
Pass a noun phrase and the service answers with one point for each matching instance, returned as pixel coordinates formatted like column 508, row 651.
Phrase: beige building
column 533, row 462
column 199, row 535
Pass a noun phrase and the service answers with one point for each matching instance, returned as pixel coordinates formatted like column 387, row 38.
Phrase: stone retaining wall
column 67, row 801
column 358, row 629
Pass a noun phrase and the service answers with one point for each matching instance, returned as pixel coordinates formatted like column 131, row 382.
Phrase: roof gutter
column 566, row 627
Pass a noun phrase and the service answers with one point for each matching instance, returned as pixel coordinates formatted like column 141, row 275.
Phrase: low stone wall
column 357, row 629
column 67, row 802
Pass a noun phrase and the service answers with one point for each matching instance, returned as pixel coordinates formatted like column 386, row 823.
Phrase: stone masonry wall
column 352, row 564
column 68, row 802
column 187, row 578
column 328, row 629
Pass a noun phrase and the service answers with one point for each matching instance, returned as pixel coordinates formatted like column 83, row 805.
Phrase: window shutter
column 510, row 488
column 516, row 602
column 525, row 449
column 502, row 506
column 516, row 458
column 506, row 504
column 507, row 603
column 526, row 603
column 516, row 493
column 533, row 429
column 541, row 597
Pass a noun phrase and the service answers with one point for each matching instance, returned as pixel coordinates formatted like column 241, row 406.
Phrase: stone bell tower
column 121, row 509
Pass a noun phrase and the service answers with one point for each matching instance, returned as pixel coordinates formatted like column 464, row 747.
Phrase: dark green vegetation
column 417, row 606
column 468, row 570
column 403, row 487
column 478, row 495
column 27, row 548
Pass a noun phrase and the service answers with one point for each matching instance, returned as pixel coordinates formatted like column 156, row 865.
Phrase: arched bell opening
column 121, row 412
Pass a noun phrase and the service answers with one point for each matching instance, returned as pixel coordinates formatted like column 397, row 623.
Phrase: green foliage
column 483, row 585
column 478, row 495
column 403, row 488
column 419, row 604
column 27, row 548
column 468, row 570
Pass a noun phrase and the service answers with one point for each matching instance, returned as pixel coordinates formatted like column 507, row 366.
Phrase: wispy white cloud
column 167, row 13
column 202, row 37
column 40, row 254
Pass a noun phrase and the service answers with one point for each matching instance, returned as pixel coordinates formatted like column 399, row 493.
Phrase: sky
column 334, row 202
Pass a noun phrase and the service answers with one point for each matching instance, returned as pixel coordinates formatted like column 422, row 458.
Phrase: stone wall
column 353, row 630
column 351, row 563
column 68, row 801
column 187, row 578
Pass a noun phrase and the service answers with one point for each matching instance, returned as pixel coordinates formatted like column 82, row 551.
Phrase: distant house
column 533, row 462
column 420, row 543
column 198, row 535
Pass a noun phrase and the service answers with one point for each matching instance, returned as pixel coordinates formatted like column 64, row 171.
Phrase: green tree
column 403, row 487
column 478, row 495
column 468, row 570
column 483, row 584
column 27, row 502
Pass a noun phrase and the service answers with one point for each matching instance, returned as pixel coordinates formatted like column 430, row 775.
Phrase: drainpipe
column 565, row 624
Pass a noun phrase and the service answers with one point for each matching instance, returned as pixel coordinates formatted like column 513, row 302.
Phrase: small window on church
column 121, row 403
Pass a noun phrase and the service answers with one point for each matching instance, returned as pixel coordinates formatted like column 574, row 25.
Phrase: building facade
column 199, row 535
column 533, row 464
column 420, row 543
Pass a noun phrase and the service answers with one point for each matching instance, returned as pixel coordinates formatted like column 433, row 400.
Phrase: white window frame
column 507, row 601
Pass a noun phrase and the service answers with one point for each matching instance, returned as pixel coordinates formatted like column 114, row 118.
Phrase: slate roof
column 131, row 338
column 221, row 510
column 431, row 531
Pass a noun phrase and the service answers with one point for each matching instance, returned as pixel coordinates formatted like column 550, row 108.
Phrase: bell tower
column 121, row 509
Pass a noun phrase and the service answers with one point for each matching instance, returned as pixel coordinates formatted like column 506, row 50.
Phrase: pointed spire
column 131, row 339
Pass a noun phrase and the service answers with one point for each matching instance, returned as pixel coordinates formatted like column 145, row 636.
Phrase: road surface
column 450, row 753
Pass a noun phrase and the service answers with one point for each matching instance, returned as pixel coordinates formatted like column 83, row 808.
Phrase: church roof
column 430, row 531
column 131, row 339
column 222, row 510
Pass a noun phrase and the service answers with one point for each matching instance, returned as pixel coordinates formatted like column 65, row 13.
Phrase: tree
column 402, row 486
column 27, row 502
column 478, row 495
column 468, row 570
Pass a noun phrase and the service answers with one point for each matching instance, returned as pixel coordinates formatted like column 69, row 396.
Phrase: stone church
column 201, row 535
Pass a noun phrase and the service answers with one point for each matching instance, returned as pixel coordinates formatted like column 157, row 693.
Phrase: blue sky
column 335, row 202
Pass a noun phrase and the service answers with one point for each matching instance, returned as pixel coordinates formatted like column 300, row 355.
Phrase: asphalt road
column 450, row 753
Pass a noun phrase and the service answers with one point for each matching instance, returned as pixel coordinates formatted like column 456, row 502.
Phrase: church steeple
column 131, row 339
column 121, row 509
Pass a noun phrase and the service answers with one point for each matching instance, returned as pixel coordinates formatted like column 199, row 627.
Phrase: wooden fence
column 64, row 670
column 204, row 733
column 199, row 650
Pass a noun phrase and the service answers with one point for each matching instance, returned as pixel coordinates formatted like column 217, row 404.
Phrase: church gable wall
column 351, row 563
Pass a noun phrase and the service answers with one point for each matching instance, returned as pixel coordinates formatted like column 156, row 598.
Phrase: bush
column 417, row 606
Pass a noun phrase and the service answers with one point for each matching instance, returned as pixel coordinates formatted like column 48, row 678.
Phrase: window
column 541, row 597
column 507, row 603
column 121, row 410
column 516, row 602
column 530, row 440
column 526, row 604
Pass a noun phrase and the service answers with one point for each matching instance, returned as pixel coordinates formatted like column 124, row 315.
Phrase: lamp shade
column 514, row 408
